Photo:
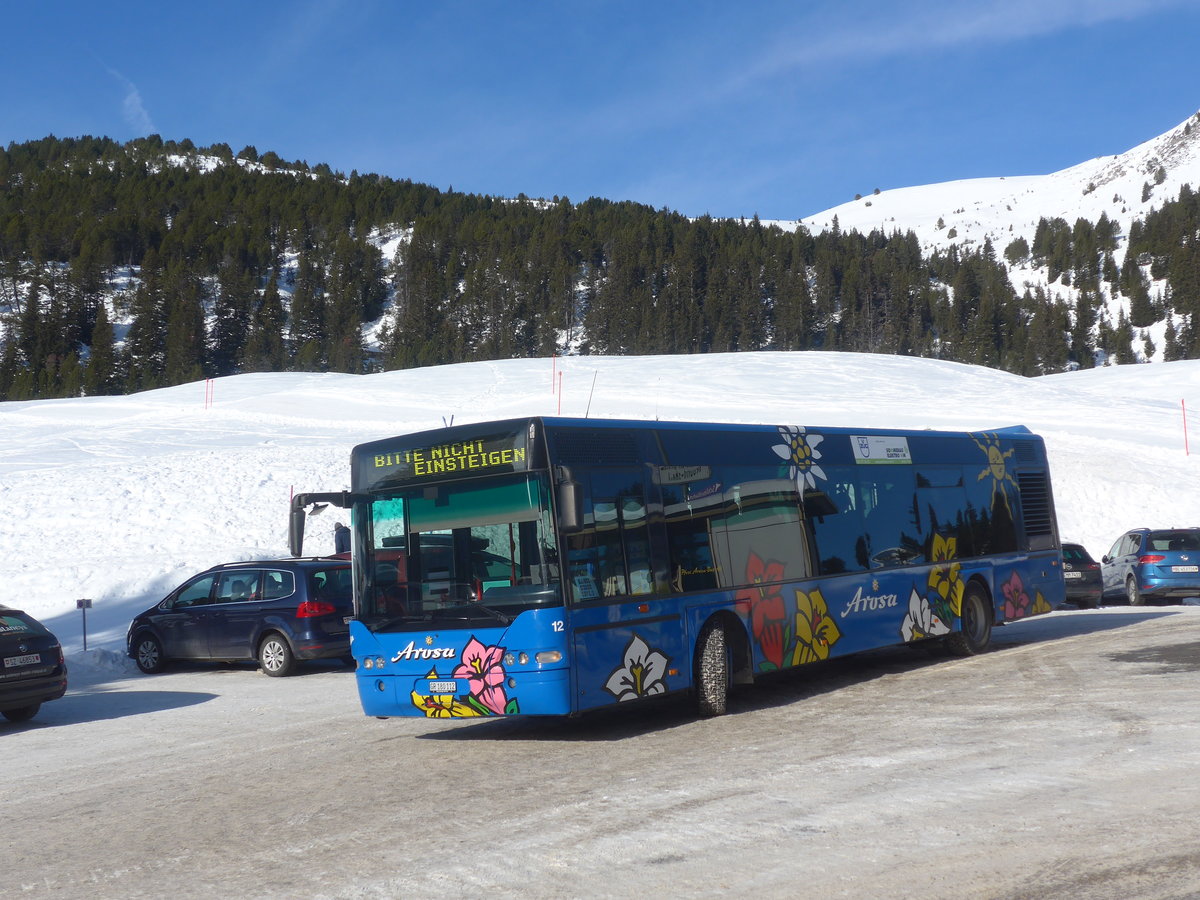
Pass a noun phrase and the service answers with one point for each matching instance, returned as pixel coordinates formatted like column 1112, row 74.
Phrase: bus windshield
column 459, row 554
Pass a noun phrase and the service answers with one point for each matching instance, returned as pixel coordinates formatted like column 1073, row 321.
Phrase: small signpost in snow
column 83, row 606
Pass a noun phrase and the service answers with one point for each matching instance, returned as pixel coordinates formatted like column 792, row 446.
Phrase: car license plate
column 29, row 659
column 1072, row 574
column 1185, row 568
column 443, row 687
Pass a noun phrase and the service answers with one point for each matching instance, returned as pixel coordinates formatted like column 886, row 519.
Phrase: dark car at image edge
column 33, row 671
column 273, row 612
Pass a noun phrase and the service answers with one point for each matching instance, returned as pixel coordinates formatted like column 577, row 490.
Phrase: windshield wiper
column 470, row 607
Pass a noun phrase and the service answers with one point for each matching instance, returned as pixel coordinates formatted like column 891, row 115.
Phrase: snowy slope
column 117, row 499
column 1005, row 208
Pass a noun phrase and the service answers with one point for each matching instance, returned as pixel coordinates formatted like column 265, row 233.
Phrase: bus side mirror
column 570, row 506
column 296, row 531
column 318, row 502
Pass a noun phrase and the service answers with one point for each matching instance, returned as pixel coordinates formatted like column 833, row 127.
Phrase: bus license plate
column 443, row 687
column 30, row 659
column 1185, row 568
column 1072, row 574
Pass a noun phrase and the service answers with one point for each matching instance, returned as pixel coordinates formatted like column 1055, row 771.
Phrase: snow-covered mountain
column 967, row 212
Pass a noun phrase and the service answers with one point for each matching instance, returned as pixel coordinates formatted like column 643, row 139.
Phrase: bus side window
column 692, row 566
column 839, row 537
column 611, row 556
column 891, row 518
column 759, row 528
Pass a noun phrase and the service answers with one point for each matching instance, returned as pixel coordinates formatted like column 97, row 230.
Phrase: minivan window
column 196, row 593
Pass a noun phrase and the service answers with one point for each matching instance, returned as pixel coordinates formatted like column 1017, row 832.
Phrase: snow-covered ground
column 118, row 499
column 1046, row 768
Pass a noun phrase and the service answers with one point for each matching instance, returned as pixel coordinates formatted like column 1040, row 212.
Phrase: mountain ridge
column 1004, row 208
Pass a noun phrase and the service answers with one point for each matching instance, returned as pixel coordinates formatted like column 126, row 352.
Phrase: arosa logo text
column 866, row 602
column 460, row 456
column 412, row 651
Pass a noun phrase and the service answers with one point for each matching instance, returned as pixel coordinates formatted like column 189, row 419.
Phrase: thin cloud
column 132, row 109
column 860, row 34
column 899, row 31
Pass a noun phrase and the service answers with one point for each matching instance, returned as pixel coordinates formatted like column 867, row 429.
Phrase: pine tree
column 100, row 374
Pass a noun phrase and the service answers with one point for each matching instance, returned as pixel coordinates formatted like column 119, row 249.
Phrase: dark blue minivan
column 276, row 612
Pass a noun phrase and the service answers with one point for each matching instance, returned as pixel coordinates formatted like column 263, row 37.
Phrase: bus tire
column 712, row 671
column 976, row 624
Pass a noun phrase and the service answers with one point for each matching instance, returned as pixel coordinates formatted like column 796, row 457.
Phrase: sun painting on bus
column 996, row 469
column 641, row 673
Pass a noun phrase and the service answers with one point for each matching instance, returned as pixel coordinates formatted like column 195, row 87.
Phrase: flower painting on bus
column 641, row 673
column 482, row 667
column 816, row 630
column 1017, row 603
column 945, row 578
column 921, row 621
column 801, row 453
column 768, row 610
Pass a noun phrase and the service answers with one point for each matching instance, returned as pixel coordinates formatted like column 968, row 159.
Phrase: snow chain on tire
column 712, row 671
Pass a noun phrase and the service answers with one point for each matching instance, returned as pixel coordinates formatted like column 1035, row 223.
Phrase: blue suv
column 1153, row 564
column 276, row 612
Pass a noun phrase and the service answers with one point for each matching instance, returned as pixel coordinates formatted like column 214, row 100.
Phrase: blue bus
column 551, row 566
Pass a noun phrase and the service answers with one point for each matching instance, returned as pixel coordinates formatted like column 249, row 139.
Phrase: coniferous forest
column 131, row 266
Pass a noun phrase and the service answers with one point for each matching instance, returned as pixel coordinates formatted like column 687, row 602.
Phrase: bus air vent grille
column 596, row 448
column 1035, row 502
column 1026, row 451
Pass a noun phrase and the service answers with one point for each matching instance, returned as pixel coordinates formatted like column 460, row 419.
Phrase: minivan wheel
column 275, row 656
column 21, row 713
column 148, row 654
column 1132, row 592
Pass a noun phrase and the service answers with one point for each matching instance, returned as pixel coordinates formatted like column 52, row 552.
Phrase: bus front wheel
column 712, row 670
column 976, row 624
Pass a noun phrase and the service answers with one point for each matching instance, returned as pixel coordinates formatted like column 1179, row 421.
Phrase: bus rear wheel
column 976, row 624
column 712, row 671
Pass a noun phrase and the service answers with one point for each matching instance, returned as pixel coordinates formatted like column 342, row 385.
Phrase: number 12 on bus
column 550, row 566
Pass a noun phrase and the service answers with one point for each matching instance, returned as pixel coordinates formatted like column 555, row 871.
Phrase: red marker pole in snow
column 1183, row 406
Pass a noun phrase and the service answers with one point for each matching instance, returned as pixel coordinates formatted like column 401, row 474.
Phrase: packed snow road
column 1060, row 764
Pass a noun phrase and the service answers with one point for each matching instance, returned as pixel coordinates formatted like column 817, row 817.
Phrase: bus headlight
column 548, row 656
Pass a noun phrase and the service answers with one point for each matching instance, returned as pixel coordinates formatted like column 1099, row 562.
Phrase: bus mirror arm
column 569, row 496
column 318, row 502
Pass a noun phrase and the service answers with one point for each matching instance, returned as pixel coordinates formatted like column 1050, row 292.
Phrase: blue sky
column 778, row 108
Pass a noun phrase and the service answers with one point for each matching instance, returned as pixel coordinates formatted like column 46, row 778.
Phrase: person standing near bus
column 341, row 538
